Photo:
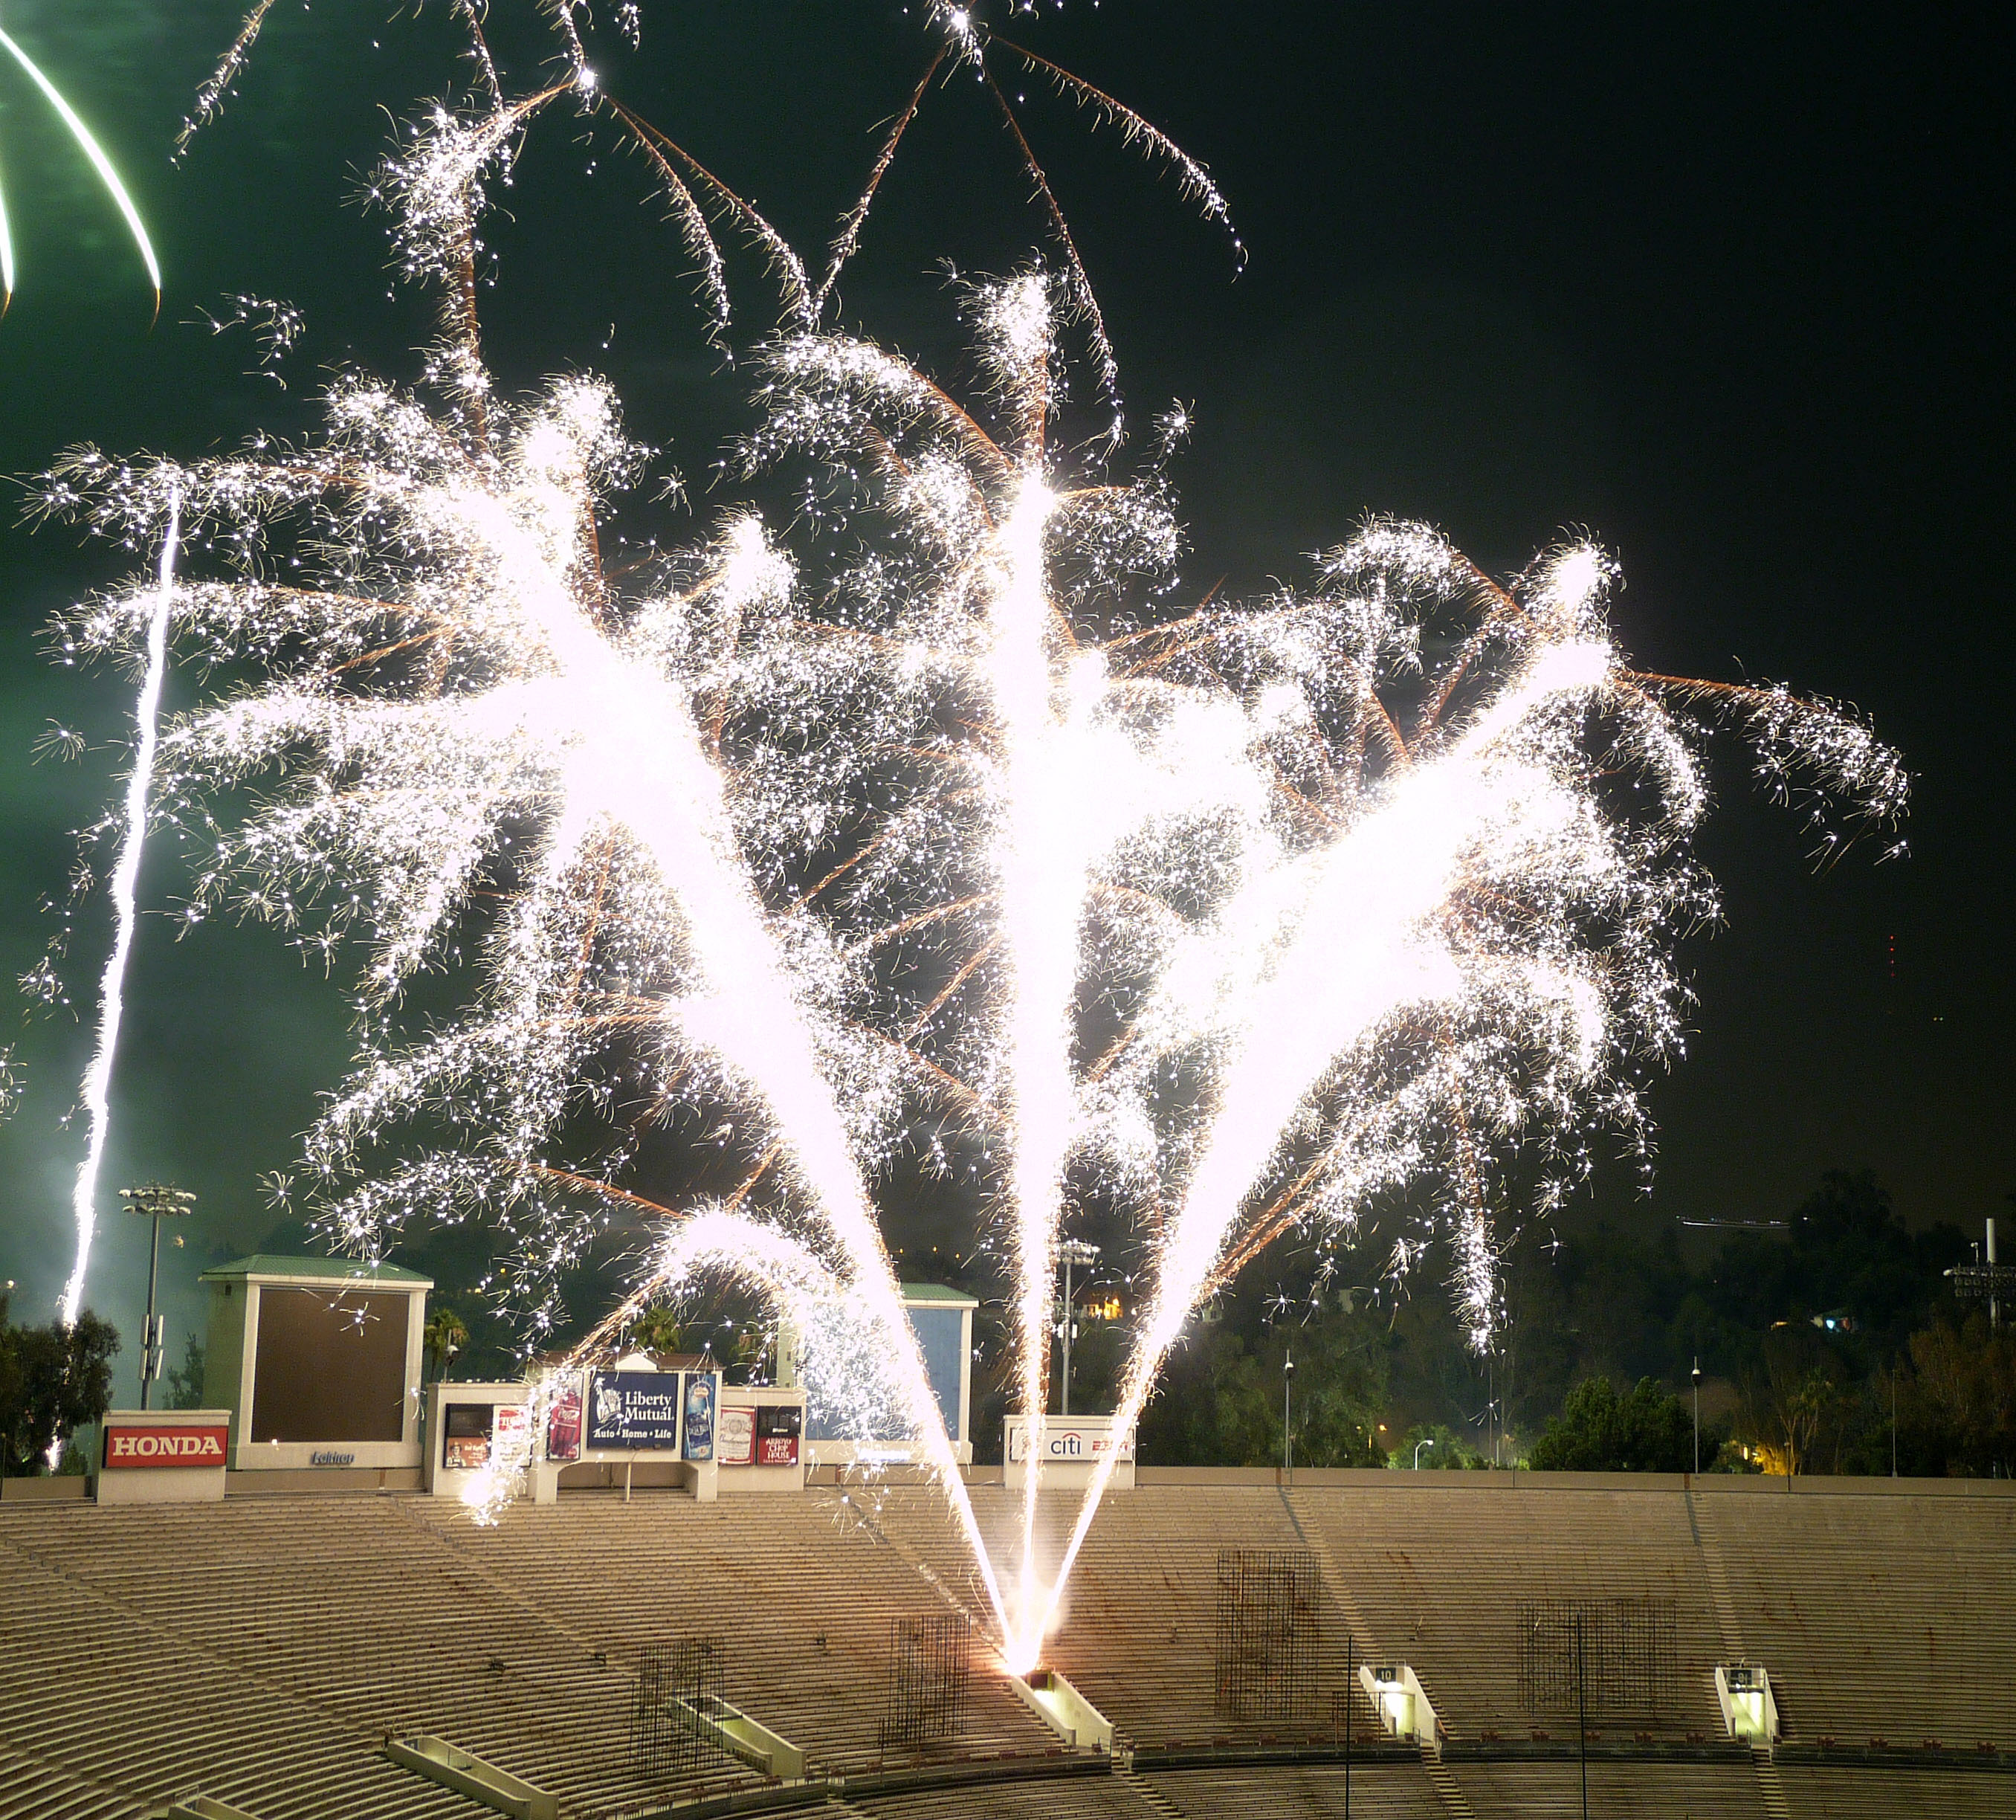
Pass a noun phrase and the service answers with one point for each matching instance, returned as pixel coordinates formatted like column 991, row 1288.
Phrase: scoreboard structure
column 942, row 1319
column 318, row 1360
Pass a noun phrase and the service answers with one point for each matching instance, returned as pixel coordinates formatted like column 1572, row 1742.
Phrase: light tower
column 1288, row 1413
column 154, row 1200
column 1988, row 1280
column 1073, row 1251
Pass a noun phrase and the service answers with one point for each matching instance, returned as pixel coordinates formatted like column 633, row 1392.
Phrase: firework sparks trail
column 945, row 838
column 1357, row 957
column 125, row 882
column 99, row 162
column 6, row 255
column 1041, row 867
column 1171, row 776
column 636, row 755
column 1042, row 880
column 624, row 752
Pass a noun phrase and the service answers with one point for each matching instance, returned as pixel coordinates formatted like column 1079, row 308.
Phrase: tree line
column 1834, row 1345
column 1827, row 1346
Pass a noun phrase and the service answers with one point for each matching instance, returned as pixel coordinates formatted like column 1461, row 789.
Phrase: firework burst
column 963, row 844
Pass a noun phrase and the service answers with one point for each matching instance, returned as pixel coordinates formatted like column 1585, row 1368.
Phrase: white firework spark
column 960, row 844
column 125, row 885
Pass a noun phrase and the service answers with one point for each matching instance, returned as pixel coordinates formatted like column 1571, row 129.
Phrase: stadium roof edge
column 314, row 1270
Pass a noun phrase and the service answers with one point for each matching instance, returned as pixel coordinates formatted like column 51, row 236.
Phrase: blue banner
column 636, row 1409
column 702, row 1388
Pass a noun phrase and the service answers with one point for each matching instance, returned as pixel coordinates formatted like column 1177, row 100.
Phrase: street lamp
column 1287, row 1412
column 1073, row 1251
column 155, row 1201
column 1697, row 1417
column 1418, row 1447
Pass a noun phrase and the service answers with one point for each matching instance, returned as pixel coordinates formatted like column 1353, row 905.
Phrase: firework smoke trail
column 125, row 879
column 102, row 164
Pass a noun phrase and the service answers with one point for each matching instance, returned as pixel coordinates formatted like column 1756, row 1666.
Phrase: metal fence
column 1612, row 1658
column 930, row 1663
column 675, row 1684
column 1269, row 1655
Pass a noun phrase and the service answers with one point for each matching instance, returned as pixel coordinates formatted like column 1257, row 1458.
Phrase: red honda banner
column 129, row 1445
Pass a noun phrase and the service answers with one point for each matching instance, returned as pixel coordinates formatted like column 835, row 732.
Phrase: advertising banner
column 703, row 1394
column 466, row 1435
column 563, row 1423
column 778, row 1428
column 130, row 1445
column 635, row 1410
column 511, row 1440
column 735, row 1440
column 1071, row 1440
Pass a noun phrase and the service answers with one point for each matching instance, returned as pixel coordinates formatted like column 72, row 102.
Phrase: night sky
column 1728, row 287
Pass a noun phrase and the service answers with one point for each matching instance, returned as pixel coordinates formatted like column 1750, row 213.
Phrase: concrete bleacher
column 803, row 1596
column 1845, row 1793
column 261, row 1650
column 1618, row 1791
column 1438, row 1571
column 119, row 1710
column 1104, row 1797
column 359, row 1616
column 1882, row 1616
column 29, row 1786
column 1139, row 1626
column 1379, row 1791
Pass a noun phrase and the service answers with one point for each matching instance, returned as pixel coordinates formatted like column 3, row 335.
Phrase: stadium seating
column 1440, row 1569
column 260, row 1651
column 1077, row 1798
column 1879, row 1616
column 1382, row 1791
column 1617, row 1791
column 1852, row 1794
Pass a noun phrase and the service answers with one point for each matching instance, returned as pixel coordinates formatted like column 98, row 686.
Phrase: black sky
column 1728, row 287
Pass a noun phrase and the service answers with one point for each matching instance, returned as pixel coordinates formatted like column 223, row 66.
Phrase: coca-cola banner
column 563, row 1423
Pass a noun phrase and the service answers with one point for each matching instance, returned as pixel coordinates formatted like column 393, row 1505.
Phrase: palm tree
column 656, row 1330
column 445, row 1334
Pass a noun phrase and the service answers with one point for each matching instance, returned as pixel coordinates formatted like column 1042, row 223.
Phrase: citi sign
column 1067, row 1442
column 164, row 1446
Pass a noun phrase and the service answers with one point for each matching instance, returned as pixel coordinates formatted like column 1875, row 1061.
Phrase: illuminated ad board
column 638, row 1411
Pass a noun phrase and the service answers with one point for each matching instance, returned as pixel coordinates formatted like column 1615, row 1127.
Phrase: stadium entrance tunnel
column 1403, row 1707
column 204, row 1807
column 483, row 1782
column 1075, row 1719
column 730, row 1729
column 1749, row 1711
